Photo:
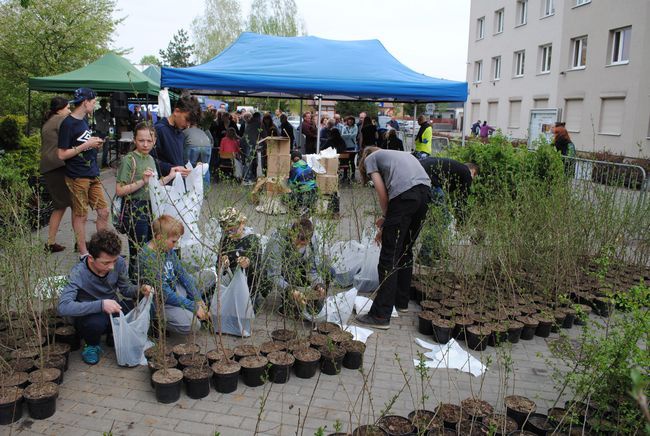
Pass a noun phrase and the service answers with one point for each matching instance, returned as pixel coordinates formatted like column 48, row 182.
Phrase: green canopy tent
column 152, row 72
column 110, row 73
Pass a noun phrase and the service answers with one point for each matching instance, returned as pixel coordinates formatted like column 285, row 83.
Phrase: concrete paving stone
column 223, row 420
column 87, row 409
column 158, row 422
column 186, row 415
column 151, row 407
column 213, row 407
column 119, row 403
column 95, row 423
column 123, row 415
column 195, row 428
column 142, row 394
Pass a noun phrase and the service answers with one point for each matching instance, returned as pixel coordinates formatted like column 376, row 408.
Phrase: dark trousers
column 139, row 232
column 404, row 218
column 92, row 327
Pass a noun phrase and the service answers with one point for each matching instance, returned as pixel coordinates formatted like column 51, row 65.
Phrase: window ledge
column 547, row 16
column 579, row 6
column 577, row 69
column 573, row 131
column 513, row 127
column 617, row 64
column 496, row 80
column 480, row 39
column 520, row 24
column 544, row 73
column 609, row 134
column 518, row 77
column 497, row 33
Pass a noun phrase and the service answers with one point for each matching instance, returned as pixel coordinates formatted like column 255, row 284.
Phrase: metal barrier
column 619, row 175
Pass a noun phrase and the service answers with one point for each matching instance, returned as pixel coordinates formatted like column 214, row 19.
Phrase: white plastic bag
column 236, row 308
column 337, row 308
column 347, row 260
column 130, row 334
column 182, row 200
column 367, row 279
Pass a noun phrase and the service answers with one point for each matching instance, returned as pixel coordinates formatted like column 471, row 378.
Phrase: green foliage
column 609, row 354
column 353, row 108
column 504, row 169
column 9, row 134
column 49, row 37
column 179, row 52
column 275, row 17
column 150, row 60
column 221, row 23
column 21, row 161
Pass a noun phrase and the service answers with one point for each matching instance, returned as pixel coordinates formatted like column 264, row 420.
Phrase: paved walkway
column 105, row 397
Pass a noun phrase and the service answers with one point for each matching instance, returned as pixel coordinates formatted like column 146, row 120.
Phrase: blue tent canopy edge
column 305, row 66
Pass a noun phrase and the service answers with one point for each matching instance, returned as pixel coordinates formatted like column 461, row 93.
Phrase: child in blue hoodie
column 160, row 266
column 302, row 181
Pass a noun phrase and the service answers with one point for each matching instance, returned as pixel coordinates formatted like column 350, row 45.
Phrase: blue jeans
column 199, row 154
column 92, row 327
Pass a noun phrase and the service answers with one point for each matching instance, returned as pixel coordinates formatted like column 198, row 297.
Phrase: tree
column 218, row 26
column 222, row 21
column 49, row 37
column 349, row 107
column 408, row 109
column 179, row 51
column 275, row 17
column 150, row 60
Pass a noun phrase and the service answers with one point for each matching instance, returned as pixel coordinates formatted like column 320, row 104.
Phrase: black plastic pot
column 441, row 332
column 514, row 332
column 519, row 416
column 363, row 430
column 71, row 339
column 253, row 376
column 424, row 324
column 528, row 331
column 539, row 424
column 543, row 329
column 305, row 368
column 477, row 338
column 353, row 358
column 331, row 361
column 226, row 383
column 569, row 320
column 383, row 424
column 12, row 411
column 168, row 392
column 280, row 373
column 197, row 388
column 42, row 408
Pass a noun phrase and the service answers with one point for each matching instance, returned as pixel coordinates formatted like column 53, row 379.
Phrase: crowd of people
column 405, row 184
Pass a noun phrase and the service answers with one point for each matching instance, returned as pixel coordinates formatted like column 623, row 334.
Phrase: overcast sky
column 428, row 36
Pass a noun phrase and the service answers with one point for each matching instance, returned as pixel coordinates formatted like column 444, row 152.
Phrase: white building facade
column 588, row 58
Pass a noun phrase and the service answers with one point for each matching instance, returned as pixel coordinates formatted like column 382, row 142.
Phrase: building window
column 582, row 2
column 478, row 71
column 498, row 21
column 619, row 43
column 573, row 114
column 540, row 103
column 579, row 52
column 545, row 55
column 496, row 68
column 493, row 112
column 476, row 111
column 611, row 116
column 480, row 28
column 549, row 8
column 515, row 114
column 520, row 58
column 522, row 12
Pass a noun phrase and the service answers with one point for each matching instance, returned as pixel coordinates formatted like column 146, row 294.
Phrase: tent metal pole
column 29, row 111
column 462, row 127
column 320, row 101
column 415, row 120
column 300, row 128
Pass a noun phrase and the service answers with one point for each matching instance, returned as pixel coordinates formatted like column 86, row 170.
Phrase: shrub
column 9, row 134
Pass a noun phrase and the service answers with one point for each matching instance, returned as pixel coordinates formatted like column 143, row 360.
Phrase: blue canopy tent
column 306, row 66
column 310, row 67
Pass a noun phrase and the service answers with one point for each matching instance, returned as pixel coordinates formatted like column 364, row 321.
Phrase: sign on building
column 541, row 123
column 429, row 108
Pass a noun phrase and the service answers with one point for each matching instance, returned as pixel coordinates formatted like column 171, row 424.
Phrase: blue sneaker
column 91, row 354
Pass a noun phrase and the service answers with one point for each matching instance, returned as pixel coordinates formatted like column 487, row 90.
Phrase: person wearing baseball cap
column 241, row 247
column 78, row 149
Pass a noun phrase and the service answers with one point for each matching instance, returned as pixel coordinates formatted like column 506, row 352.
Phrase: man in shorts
column 78, row 149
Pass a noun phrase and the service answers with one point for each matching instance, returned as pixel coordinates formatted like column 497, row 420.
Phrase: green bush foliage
column 503, row 169
column 9, row 133
column 20, row 163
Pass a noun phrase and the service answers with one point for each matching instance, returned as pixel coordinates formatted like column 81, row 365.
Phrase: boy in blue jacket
column 302, row 181
column 160, row 266
column 90, row 296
